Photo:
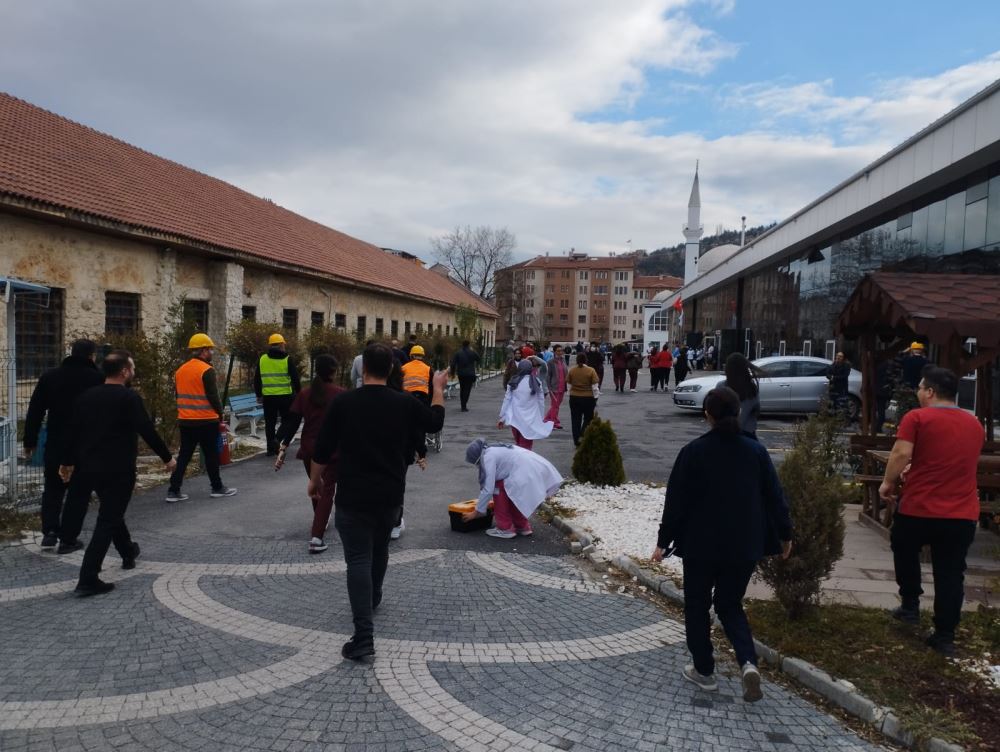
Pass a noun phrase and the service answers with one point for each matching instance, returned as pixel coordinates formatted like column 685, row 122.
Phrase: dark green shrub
column 816, row 495
column 598, row 459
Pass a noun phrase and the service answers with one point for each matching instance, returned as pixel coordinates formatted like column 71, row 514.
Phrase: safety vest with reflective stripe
column 416, row 377
column 192, row 402
column 275, row 380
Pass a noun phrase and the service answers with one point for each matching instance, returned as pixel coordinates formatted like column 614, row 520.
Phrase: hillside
column 671, row 260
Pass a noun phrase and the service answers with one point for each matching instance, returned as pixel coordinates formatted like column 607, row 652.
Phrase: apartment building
column 567, row 298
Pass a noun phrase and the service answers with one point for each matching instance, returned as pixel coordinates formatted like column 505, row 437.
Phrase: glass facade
column 797, row 300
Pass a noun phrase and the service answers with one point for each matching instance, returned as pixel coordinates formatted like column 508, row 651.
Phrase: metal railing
column 21, row 478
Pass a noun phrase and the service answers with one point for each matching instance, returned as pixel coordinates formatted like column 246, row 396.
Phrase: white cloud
column 397, row 121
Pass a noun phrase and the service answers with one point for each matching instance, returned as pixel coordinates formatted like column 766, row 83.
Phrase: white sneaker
column 631, row 391
column 398, row 530
column 219, row 493
column 707, row 683
column 317, row 546
column 751, row 683
column 498, row 533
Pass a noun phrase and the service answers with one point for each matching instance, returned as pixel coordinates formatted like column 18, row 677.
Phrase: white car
column 789, row 384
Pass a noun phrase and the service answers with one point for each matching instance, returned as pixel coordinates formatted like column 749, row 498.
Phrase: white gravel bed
column 624, row 519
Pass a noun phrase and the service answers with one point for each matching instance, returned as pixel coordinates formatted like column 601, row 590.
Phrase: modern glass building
column 930, row 205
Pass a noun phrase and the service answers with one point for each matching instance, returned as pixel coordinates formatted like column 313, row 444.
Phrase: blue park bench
column 244, row 407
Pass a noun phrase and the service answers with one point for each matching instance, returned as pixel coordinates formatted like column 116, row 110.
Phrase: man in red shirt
column 939, row 504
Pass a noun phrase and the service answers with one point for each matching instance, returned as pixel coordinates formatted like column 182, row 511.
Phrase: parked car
column 789, row 384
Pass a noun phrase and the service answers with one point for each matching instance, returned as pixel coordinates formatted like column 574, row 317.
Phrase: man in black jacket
column 55, row 394
column 372, row 430
column 100, row 454
column 463, row 365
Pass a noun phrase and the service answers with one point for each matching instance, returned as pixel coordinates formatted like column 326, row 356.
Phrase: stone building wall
column 87, row 264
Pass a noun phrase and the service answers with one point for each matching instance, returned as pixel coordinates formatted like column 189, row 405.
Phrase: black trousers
column 581, row 412
column 365, row 538
column 465, row 384
column 419, row 435
column 114, row 490
column 655, row 377
column 192, row 436
column 63, row 521
column 723, row 585
column 665, row 377
column 273, row 408
column 949, row 541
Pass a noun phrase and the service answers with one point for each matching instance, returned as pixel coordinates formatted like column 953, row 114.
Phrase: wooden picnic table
column 987, row 479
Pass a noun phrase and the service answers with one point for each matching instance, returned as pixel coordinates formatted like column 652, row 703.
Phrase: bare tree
column 475, row 254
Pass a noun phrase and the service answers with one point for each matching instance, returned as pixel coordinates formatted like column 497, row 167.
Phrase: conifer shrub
column 816, row 495
column 598, row 459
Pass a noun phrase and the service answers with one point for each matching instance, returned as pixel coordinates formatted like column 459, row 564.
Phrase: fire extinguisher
column 224, row 456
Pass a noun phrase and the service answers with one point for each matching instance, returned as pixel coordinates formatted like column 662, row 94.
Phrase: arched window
column 658, row 322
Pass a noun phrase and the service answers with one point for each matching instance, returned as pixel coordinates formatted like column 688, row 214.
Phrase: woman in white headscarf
column 517, row 481
column 523, row 407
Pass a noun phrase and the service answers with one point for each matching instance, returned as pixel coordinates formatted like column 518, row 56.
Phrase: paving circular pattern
column 475, row 652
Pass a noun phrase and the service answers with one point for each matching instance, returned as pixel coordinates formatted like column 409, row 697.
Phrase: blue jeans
column 722, row 584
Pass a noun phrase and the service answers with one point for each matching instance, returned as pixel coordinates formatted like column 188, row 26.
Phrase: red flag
column 678, row 305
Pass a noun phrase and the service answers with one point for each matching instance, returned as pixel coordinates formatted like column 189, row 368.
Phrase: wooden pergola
column 946, row 310
column 943, row 310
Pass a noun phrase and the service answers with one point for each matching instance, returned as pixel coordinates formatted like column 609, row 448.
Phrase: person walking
column 52, row 400
column 463, row 366
column 308, row 409
column 619, row 365
column 275, row 383
column 417, row 383
column 724, row 511
column 523, row 407
column 556, row 376
column 371, row 429
column 840, row 372
column 511, row 367
column 743, row 377
column 681, row 366
column 100, row 453
column 633, row 362
column 654, row 368
column 355, row 376
column 664, row 361
column 516, row 479
column 199, row 411
column 595, row 359
column 583, row 390
column 913, row 364
column 937, row 449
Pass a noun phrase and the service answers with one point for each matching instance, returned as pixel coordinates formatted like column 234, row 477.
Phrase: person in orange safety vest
column 199, row 411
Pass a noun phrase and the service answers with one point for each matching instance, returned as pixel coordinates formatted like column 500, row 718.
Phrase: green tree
column 598, row 460
column 816, row 495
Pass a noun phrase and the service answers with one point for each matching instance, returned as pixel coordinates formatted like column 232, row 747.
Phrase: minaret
column 693, row 232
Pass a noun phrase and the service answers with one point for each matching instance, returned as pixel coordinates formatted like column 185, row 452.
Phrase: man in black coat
column 100, row 454
column 724, row 511
column 55, row 395
column 463, row 365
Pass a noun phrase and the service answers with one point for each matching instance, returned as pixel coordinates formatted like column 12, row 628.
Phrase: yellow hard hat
column 275, row 339
column 416, row 350
column 916, row 345
column 199, row 341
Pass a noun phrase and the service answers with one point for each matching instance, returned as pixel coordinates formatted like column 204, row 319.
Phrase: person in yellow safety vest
column 276, row 383
column 199, row 411
column 417, row 377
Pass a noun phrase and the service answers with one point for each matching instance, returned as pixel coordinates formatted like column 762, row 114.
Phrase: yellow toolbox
column 456, row 510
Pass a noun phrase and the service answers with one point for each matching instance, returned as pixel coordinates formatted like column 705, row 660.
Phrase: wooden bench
column 244, row 407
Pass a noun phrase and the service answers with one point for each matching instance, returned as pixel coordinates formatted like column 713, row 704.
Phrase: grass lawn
column 888, row 662
column 13, row 522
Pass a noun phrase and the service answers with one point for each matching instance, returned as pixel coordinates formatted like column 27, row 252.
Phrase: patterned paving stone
column 236, row 647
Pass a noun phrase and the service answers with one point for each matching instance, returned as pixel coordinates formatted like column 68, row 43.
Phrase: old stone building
column 120, row 235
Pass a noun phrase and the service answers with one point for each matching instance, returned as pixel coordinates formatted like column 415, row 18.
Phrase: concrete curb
column 839, row 692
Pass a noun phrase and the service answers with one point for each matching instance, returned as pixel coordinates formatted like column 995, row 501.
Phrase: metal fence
column 21, row 478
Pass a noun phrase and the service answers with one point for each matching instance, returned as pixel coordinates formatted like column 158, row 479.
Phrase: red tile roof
column 590, row 262
column 48, row 159
column 658, row 282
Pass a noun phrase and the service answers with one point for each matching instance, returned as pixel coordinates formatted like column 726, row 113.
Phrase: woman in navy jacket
column 724, row 511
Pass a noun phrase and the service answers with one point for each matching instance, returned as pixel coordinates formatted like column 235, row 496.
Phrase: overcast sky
column 574, row 123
